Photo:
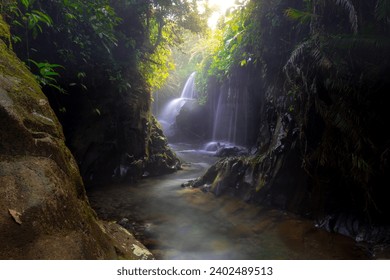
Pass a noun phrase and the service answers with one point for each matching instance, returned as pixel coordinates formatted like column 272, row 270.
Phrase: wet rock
column 129, row 169
column 206, row 188
column 111, row 146
column 188, row 130
column 225, row 149
column 271, row 175
column 126, row 246
column 188, row 184
column 222, row 177
column 230, row 152
column 125, row 222
column 212, row 146
column 351, row 225
column 44, row 212
column 162, row 159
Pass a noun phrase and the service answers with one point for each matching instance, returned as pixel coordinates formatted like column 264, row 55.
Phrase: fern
column 297, row 53
column 47, row 75
column 350, row 8
column 382, row 10
column 301, row 16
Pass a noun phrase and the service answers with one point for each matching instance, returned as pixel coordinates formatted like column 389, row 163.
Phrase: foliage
column 23, row 15
column 350, row 8
column 232, row 45
column 103, row 38
column 330, row 58
column 30, row 20
column 47, row 74
column 382, row 11
column 166, row 31
column 339, row 72
column 232, row 50
column 205, row 49
column 303, row 16
column 185, row 59
column 37, row 37
column 156, row 67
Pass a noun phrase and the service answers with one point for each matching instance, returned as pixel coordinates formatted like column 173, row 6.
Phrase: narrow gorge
column 152, row 130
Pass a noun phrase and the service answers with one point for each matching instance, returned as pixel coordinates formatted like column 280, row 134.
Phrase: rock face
column 161, row 158
column 315, row 154
column 320, row 150
column 192, row 123
column 122, row 142
column 44, row 212
column 271, row 175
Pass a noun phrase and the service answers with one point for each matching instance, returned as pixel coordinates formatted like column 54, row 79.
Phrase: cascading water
column 189, row 88
column 169, row 113
column 231, row 118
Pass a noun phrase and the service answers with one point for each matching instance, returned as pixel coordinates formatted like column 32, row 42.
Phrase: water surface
column 186, row 223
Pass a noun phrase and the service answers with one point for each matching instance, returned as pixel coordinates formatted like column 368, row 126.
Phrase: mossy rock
column 162, row 159
column 44, row 212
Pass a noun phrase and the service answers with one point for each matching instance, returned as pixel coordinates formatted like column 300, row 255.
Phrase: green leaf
column 81, row 75
column 26, row 3
column 43, row 17
column 50, row 73
column 70, row 16
column 97, row 111
column 17, row 23
column 239, row 38
column 301, row 16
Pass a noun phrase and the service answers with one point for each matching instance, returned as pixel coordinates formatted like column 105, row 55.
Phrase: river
column 186, row 223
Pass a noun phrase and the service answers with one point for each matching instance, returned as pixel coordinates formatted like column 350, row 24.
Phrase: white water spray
column 169, row 113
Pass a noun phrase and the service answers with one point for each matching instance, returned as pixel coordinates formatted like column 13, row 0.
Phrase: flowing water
column 185, row 223
column 233, row 118
column 167, row 117
column 234, row 115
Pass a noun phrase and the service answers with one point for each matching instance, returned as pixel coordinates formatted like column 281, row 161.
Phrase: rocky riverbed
column 177, row 222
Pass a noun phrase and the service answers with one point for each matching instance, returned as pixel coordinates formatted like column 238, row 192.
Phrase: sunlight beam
column 221, row 7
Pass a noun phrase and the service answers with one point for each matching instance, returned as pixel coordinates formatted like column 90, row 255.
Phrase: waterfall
column 227, row 113
column 231, row 116
column 189, row 88
column 170, row 111
column 218, row 118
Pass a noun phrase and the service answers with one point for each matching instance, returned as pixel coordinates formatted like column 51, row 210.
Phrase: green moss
column 32, row 110
column 260, row 184
column 25, row 92
column 11, row 66
column 4, row 31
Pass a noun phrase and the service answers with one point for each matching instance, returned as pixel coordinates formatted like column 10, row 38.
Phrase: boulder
column 162, row 159
column 44, row 212
column 192, row 123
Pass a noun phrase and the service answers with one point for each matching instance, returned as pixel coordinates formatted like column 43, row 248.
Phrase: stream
column 185, row 223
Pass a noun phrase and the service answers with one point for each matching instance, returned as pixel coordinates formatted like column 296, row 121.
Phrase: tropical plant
column 47, row 74
column 338, row 70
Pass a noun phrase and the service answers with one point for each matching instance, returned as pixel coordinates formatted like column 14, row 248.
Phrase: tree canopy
column 67, row 42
